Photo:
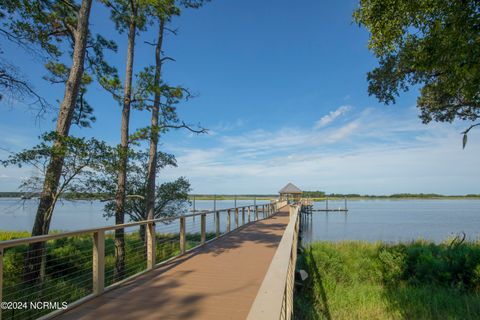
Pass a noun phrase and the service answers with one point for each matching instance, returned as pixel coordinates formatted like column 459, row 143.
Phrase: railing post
column 236, row 218
column 263, row 211
column 202, row 226
column 217, row 223
column 98, row 262
column 182, row 235
column 151, row 245
column 248, row 209
column 243, row 216
column 256, row 213
column 228, row 220
column 1, row 279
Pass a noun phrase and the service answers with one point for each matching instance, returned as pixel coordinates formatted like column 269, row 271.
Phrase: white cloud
column 343, row 132
column 329, row 118
column 376, row 152
column 228, row 125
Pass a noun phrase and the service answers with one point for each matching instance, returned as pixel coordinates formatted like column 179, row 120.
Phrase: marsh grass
column 361, row 280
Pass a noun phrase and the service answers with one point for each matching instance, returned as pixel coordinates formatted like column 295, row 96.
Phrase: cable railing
column 274, row 300
column 42, row 276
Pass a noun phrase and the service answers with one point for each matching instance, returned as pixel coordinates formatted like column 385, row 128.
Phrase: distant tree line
column 306, row 194
column 321, row 194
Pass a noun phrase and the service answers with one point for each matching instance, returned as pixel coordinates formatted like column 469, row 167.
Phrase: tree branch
column 167, row 58
column 173, row 31
column 466, row 132
column 471, row 127
column 154, row 44
column 184, row 126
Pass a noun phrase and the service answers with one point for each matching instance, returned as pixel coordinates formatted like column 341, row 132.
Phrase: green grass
column 361, row 280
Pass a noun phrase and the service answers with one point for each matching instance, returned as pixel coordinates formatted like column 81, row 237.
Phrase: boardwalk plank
column 217, row 281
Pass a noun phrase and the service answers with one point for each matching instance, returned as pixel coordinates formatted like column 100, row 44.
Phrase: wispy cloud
column 225, row 126
column 373, row 151
column 329, row 118
column 369, row 151
column 343, row 132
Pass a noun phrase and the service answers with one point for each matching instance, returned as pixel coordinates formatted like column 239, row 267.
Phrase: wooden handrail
column 54, row 236
column 98, row 243
column 274, row 299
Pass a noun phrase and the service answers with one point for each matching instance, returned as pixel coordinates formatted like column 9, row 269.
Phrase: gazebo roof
column 290, row 188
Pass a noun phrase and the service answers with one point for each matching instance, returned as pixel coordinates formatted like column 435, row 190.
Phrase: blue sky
column 282, row 87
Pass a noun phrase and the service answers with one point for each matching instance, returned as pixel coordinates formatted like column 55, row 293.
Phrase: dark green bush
column 444, row 264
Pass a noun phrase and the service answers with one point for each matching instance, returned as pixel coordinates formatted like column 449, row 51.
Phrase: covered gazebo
column 290, row 192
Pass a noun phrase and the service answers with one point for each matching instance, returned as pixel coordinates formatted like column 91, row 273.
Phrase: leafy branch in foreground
column 171, row 198
column 82, row 157
column 433, row 44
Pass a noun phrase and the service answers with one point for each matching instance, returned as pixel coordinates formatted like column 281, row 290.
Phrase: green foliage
column 171, row 197
column 417, row 280
column 81, row 158
column 430, row 43
column 69, row 266
column 47, row 29
column 313, row 194
column 393, row 264
column 123, row 12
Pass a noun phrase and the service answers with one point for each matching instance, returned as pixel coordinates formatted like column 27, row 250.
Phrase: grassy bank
column 360, row 280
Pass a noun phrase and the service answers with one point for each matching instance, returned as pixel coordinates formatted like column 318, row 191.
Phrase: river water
column 371, row 220
column 19, row 215
column 394, row 220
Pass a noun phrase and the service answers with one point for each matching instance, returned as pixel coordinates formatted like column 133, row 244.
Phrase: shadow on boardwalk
column 217, row 281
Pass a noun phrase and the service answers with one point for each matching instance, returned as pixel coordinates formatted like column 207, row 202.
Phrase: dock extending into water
column 308, row 207
column 245, row 271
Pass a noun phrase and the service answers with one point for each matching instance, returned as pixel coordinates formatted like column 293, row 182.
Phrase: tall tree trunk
column 123, row 159
column 54, row 170
column 152, row 157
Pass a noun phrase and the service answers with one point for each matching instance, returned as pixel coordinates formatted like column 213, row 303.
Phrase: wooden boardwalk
column 219, row 280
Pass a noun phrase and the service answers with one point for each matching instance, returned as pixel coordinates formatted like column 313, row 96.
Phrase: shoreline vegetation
column 68, row 266
column 313, row 195
column 414, row 280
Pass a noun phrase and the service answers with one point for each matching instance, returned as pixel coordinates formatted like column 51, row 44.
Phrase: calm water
column 394, row 220
column 372, row 220
column 16, row 214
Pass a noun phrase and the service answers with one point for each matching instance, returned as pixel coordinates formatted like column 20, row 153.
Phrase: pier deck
column 219, row 280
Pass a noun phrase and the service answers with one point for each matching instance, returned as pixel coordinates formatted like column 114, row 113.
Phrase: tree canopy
column 433, row 44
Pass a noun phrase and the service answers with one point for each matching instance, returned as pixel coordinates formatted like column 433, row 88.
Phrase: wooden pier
column 308, row 207
column 219, row 280
column 246, row 273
